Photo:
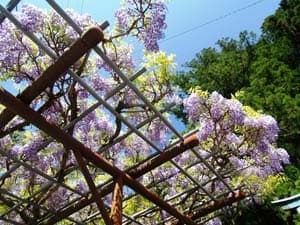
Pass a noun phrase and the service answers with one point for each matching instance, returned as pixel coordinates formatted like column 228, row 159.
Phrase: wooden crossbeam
column 189, row 142
column 239, row 195
column 18, row 107
column 80, row 47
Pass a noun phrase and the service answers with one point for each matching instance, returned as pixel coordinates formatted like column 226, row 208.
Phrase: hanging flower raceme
column 243, row 136
column 146, row 18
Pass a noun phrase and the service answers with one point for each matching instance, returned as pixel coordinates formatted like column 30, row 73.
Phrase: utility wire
column 213, row 20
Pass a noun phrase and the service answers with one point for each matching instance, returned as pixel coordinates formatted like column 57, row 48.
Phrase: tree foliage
column 263, row 73
column 225, row 68
column 275, row 82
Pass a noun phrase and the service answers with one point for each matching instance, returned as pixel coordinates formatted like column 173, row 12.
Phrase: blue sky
column 184, row 15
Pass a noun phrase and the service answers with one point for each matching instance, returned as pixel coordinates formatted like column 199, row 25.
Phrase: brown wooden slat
column 189, row 142
column 81, row 46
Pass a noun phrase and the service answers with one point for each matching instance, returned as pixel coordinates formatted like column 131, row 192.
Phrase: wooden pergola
column 20, row 105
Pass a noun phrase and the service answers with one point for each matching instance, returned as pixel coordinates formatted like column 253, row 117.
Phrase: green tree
column 225, row 68
column 275, row 78
column 263, row 73
column 254, row 214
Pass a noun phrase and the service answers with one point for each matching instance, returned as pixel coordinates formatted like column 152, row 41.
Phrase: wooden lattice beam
column 80, row 47
column 239, row 195
column 10, row 6
column 18, row 107
column 189, row 142
column 97, row 198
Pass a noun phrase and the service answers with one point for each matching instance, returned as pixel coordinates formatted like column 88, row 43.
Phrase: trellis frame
column 19, row 106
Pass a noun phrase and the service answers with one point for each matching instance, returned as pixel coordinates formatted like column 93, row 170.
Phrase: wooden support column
column 116, row 208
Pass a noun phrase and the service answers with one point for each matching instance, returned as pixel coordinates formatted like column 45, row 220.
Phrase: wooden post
column 116, row 208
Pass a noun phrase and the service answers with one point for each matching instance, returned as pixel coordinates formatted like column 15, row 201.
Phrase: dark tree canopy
column 275, row 78
column 257, row 215
column 225, row 68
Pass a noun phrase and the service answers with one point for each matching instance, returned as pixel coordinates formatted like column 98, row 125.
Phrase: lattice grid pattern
column 74, row 211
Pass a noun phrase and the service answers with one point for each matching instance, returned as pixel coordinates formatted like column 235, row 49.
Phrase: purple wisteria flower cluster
column 23, row 62
column 146, row 18
column 32, row 18
column 122, row 58
column 238, row 142
column 229, row 130
column 230, row 136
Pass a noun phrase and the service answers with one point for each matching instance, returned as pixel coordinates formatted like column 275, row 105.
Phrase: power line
column 214, row 20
